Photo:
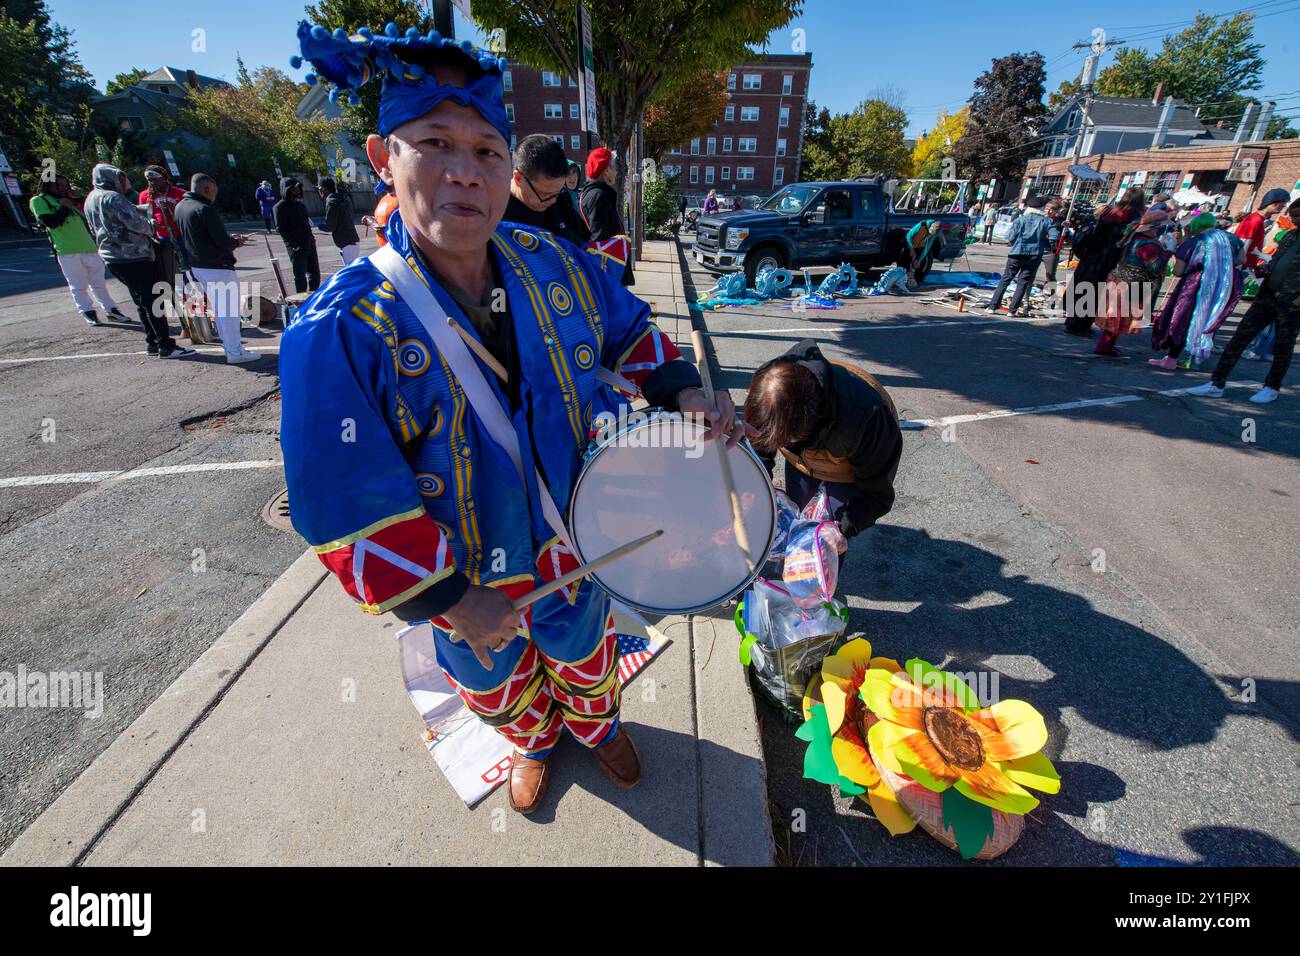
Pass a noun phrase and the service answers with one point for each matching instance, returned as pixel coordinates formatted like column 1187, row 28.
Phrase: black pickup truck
column 817, row 224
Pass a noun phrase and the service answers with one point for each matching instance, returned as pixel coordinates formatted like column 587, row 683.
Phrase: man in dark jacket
column 537, row 188
column 1031, row 235
column 210, row 252
column 833, row 423
column 295, row 229
column 338, row 221
column 1278, row 301
column 600, row 204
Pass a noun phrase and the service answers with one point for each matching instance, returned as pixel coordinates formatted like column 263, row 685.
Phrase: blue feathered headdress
column 409, row 90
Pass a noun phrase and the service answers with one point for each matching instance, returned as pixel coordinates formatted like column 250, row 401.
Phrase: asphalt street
column 135, row 576
column 1168, row 679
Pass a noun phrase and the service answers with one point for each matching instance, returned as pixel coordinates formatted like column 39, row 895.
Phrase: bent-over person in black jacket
column 834, row 424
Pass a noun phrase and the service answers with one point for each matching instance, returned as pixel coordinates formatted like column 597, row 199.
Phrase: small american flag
column 634, row 652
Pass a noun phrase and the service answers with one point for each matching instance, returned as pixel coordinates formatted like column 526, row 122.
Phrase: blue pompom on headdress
column 409, row 91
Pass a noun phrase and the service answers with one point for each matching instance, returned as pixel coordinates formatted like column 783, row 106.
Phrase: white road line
column 95, row 477
column 918, row 423
column 89, row 355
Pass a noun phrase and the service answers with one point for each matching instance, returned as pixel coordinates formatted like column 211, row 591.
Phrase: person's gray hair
column 201, row 180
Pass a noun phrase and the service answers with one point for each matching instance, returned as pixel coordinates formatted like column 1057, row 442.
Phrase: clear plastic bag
column 784, row 643
column 812, row 562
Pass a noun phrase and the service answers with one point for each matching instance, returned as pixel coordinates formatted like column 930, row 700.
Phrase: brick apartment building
column 753, row 149
column 1275, row 163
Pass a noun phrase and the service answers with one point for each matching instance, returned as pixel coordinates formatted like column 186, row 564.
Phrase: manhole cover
column 276, row 512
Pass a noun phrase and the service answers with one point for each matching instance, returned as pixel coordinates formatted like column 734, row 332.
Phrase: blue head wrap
column 409, row 90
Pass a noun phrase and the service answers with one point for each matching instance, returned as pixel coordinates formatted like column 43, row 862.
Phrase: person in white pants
column 211, row 254
column 56, row 208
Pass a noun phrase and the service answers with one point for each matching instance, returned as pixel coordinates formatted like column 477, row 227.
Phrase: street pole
column 1078, row 149
column 442, row 18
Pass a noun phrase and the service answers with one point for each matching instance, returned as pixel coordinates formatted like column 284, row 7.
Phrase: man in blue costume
column 397, row 477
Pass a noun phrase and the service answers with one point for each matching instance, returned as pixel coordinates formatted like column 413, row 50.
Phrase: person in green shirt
column 78, row 256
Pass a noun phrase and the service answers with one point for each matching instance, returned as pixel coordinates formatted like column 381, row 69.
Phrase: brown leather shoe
column 528, row 780
column 620, row 761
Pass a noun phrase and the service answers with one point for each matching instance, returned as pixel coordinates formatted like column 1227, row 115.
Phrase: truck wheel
column 764, row 257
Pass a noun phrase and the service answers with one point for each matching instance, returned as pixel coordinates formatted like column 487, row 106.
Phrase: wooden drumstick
column 728, row 480
column 479, row 349
column 583, row 570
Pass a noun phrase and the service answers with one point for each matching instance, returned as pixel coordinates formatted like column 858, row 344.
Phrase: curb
column 70, row 827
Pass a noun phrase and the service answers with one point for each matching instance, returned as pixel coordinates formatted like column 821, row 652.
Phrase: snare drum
column 658, row 472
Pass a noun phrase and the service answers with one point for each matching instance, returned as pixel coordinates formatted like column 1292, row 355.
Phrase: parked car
column 808, row 224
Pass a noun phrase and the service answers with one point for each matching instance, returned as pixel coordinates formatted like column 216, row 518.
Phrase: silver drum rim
column 653, row 416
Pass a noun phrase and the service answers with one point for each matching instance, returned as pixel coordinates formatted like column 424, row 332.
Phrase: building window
column 780, row 147
column 749, row 114
column 507, row 83
column 554, row 110
column 1164, row 182
column 744, row 173
column 711, row 145
column 787, row 84
column 676, row 150
column 513, row 142
column 749, row 144
column 731, row 81
column 726, row 173
column 559, row 138
column 550, row 79
column 510, row 112
column 695, row 147
column 753, row 81
column 778, row 177
column 785, row 116
column 695, row 174
column 575, row 142
column 572, row 81
column 726, row 144
column 731, row 114
column 708, row 174
column 1049, row 186
column 573, row 111
column 130, row 122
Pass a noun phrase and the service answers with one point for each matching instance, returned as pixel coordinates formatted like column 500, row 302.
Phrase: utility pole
column 1089, row 76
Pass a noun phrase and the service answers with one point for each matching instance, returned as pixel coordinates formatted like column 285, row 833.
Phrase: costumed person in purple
column 266, row 200
column 425, row 483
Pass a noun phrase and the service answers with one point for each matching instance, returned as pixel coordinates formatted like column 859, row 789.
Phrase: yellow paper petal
column 1021, row 730
column 889, row 811
column 852, row 656
column 812, row 695
column 1015, row 799
column 881, row 739
column 1034, row 771
column 886, row 664
column 857, row 650
column 854, row 762
column 835, row 698
column 891, row 698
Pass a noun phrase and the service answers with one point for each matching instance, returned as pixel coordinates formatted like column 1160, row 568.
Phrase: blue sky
column 932, row 56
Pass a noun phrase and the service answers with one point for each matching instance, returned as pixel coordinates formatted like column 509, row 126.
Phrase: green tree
column 120, row 82
column 257, row 125
column 684, row 110
column 1214, row 63
column 660, row 203
column 1005, row 113
column 42, row 80
column 637, row 45
column 363, row 119
column 866, row 141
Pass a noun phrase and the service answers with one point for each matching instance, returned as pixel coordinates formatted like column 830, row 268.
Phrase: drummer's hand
column 485, row 620
column 720, row 414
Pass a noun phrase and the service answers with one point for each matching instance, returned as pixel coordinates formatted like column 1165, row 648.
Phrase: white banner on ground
column 473, row 756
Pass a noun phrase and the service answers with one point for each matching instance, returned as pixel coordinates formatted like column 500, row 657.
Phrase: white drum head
column 659, row 473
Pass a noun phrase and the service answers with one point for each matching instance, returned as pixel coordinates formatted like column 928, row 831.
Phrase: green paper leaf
column 928, row 676
column 818, row 762
column 970, row 822
column 849, row 788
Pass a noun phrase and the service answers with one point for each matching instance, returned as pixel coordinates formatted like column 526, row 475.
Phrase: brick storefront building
column 753, row 149
column 1206, row 168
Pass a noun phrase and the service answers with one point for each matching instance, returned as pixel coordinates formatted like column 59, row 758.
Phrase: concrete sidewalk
column 292, row 741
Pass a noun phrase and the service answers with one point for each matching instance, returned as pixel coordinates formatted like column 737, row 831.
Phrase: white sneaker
column 1207, row 389
column 1265, row 395
column 242, row 358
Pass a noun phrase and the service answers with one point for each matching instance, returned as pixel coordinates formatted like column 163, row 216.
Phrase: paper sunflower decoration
column 920, row 747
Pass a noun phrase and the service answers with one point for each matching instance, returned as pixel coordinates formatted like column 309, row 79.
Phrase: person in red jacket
column 161, row 196
column 1251, row 230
